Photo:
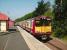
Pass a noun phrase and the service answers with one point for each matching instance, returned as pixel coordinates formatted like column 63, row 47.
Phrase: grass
column 64, row 39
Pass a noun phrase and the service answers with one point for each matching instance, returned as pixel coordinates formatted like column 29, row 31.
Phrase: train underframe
column 43, row 36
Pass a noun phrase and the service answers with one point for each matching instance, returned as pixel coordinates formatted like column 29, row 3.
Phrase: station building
column 5, row 22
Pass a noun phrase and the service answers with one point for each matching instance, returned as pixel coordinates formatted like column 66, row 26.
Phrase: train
column 39, row 26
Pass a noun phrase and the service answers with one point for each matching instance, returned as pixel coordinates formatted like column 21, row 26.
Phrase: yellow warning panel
column 43, row 29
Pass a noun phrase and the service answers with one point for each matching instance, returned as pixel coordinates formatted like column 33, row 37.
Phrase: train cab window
column 42, row 22
column 46, row 22
column 37, row 23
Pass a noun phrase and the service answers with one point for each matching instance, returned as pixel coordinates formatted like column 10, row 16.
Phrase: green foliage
column 64, row 8
column 42, row 8
column 59, row 32
column 48, row 13
column 60, row 18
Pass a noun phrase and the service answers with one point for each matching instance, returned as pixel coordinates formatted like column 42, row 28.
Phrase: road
column 13, row 41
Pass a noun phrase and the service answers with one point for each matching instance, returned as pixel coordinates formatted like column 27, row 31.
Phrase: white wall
column 3, row 26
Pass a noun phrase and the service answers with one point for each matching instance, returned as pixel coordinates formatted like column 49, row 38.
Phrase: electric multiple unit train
column 38, row 26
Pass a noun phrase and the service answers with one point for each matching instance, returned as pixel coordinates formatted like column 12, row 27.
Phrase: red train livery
column 38, row 26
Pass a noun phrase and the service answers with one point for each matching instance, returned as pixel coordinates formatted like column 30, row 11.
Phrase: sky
column 18, row 8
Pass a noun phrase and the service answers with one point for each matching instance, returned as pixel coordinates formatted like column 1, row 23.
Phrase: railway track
column 52, row 46
column 55, row 44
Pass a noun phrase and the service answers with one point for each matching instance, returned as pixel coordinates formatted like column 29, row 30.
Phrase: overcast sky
column 17, row 8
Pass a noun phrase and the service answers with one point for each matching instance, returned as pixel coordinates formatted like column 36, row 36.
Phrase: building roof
column 3, row 16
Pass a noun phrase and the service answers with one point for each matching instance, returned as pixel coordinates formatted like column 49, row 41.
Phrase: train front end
column 43, row 27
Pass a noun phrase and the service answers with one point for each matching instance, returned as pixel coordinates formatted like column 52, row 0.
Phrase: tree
column 65, row 8
column 60, row 18
column 42, row 8
column 58, row 9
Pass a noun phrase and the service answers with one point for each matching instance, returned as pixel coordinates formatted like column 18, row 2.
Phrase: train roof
column 39, row 17
column 42, row 17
